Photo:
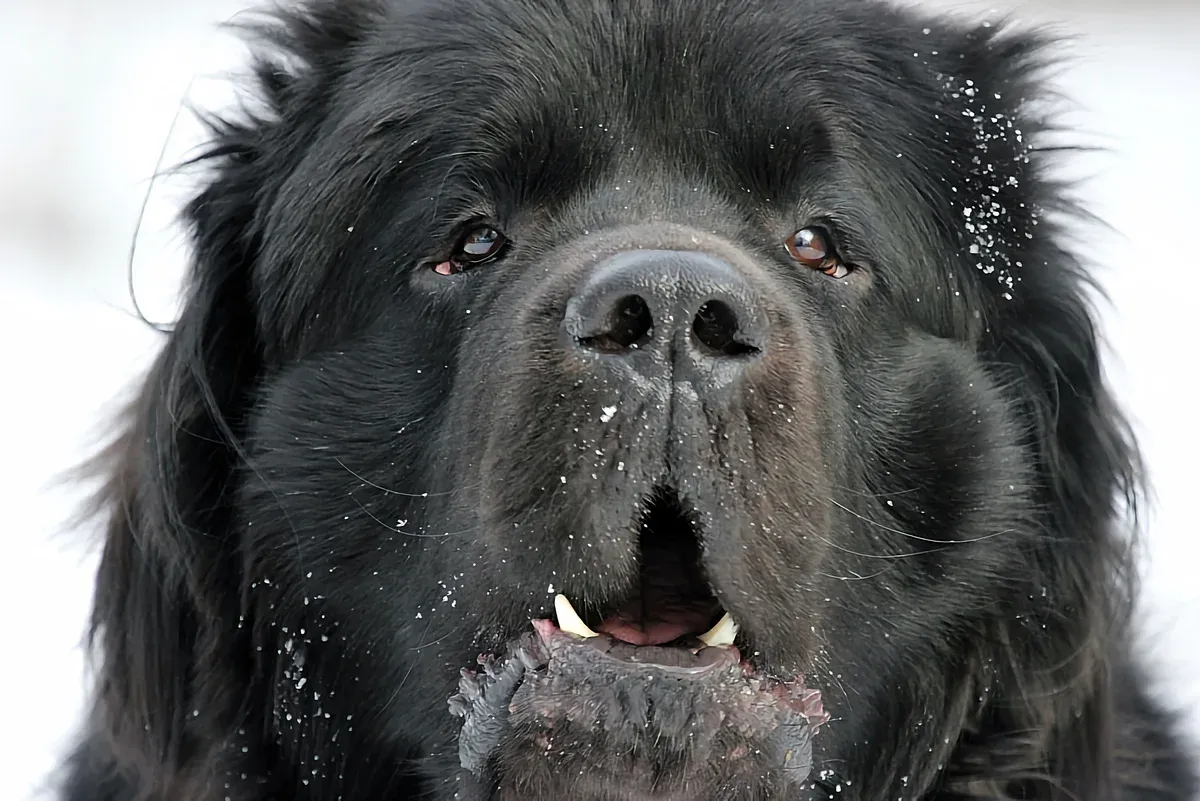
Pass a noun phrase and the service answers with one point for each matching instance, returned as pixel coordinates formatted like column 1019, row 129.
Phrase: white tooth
column 568, row 618
column 720, row 634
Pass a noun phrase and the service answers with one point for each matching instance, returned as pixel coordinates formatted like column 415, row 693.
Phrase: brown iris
column 812, row 248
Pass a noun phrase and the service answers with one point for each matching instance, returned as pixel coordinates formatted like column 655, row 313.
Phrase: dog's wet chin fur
column 365, row 465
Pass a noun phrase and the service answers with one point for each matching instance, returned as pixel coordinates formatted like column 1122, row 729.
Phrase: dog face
column 738, row 326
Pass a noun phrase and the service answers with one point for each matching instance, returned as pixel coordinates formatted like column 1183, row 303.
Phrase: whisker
column 875, row 495
column 387, row 491
column 394, row 529
column 912, row 536
column 443, row 638
column 844, row 549
column 854, row 576
column 412, row 665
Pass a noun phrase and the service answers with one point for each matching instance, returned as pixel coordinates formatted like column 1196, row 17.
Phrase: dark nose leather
column 682, row 315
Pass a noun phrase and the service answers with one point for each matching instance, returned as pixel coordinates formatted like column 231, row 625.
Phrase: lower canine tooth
column 722, row 633
column 568, row 618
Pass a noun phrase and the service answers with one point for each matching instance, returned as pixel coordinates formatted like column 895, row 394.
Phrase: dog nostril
column 716, row 329
column 629, row 325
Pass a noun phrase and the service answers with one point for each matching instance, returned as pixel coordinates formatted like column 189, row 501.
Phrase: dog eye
column 479, row 245
column 812, row 248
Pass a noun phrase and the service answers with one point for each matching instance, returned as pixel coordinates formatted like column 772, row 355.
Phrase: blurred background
column 89, row 97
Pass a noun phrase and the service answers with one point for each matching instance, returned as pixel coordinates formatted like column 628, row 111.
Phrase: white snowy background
column 88, row 95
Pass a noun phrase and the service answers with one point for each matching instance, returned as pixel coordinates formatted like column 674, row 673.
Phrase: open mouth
column 671, row 615
column 662, row 659
column 671, row 622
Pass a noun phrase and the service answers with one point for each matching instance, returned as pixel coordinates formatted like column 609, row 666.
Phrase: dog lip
column 685, row 662
column 691, row 660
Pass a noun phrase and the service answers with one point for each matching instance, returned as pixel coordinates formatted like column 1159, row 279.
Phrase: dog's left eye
column 479, row 245
column 813, row 248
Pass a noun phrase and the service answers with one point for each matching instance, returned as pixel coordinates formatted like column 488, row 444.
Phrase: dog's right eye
column 479, row 245
column 813, row 247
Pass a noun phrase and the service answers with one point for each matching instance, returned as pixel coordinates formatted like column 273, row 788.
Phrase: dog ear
column 166, row 611
column 166, row 572
column 1013, row 220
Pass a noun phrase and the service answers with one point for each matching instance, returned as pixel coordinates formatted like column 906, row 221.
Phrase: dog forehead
column 574, row 91
column 669, row 59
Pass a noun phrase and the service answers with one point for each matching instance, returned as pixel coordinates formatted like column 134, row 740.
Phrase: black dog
column 528, row 340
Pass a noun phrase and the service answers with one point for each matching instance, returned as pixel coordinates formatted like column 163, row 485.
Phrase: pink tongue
column 644, row 634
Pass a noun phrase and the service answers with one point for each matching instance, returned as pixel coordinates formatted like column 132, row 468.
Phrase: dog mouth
column 670, row 623
column 660, row 665
column 671, row 615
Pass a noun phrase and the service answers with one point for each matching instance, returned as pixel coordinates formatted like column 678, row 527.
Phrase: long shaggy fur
column 341, row 478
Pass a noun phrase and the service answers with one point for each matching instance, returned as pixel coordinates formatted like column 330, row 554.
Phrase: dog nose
column 666, row 312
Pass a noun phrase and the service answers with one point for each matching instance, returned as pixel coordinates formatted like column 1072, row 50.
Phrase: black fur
column 347, row 475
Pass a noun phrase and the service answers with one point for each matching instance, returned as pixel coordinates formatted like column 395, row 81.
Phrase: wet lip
column 691, row 657
column 674, row 629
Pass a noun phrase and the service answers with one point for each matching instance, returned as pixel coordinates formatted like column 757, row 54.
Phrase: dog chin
column 690, row 702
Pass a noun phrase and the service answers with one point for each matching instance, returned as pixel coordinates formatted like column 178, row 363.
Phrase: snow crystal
column 988, row 224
